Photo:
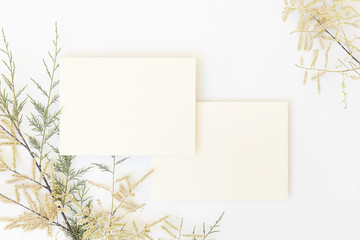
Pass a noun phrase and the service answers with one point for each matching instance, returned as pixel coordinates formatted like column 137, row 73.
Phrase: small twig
column 214, row 226
column 112, row 190
column 11, row 135
column 352, row 65
column 180, row 228
column 326, row 70
column 340, row 44
column 28, row 178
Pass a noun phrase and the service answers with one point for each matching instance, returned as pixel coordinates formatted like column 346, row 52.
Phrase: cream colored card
column 241, row 153
column 127, row 106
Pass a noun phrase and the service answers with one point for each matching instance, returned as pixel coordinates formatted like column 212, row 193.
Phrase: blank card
column 127, row 106
column 241, row 154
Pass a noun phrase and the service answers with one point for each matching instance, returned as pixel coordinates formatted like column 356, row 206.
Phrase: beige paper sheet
column 241, row 154
column 127, row 106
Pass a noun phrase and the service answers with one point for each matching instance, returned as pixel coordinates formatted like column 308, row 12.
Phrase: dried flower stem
column 31, row 210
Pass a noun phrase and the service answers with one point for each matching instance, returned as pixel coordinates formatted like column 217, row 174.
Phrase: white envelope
column 241, row 154
column 127, row 106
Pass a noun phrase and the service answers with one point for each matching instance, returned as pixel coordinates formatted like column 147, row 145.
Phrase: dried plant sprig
column 44, row 116
column 45, row 122
column 321, row 25
column 213, row 228
column 26, row 221
column 68, row 181
column 176, row 232
column 112, row 223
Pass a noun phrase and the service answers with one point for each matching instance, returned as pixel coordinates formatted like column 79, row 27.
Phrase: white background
column 245, row 52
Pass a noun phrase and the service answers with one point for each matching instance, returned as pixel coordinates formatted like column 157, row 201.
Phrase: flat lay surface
column 244, row 52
